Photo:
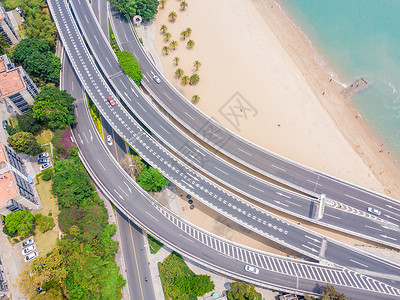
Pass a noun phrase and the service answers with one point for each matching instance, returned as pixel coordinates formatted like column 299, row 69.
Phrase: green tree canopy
column 147, row 9
column 130, row 66
column 125, row 7
column 243, row 291
column 28, row 123
column 24, row 142
column 151, row 180
column 71, row 183
column 20, row 222
column 37, row 59
column 54, row 108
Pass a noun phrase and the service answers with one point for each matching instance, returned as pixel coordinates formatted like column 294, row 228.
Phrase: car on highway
column 31, row 256
column 111, row 100
column 28, row 250
column 44, row 161
column 5, row 123
column 156, row 79
column 43, row 155
column 251, row 269
column 373, row 211
column 45, row 166
column 27, row 243
column 109, row 140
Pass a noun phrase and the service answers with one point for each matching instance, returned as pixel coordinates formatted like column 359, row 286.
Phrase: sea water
column 358, row 39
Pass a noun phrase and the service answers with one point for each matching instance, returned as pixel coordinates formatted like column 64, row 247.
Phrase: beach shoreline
column 327, row 131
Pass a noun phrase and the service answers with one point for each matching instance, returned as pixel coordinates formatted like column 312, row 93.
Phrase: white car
column 373, row 211
column 157, row 79
column 28, row 250
column 31, row 256
column 251, row 269
column 43, row 155
column 27, row 243
column 45, row 166
column 109, row 140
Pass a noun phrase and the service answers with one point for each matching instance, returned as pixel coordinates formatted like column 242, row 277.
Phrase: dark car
column 43, row 160
column 43, row 155
column 5, row 123
column 111, row 100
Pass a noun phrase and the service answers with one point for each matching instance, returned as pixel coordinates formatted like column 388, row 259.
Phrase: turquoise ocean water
column 359, row 39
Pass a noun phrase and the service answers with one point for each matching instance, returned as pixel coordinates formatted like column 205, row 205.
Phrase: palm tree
column 179, row 73
column 190, row 44
column 188, row 31
column 167, row 36
column 194, row 78
column 195, row 99
column 172, row 16
column 165, row 50
column 162, row 3
column 163, row 29
column 185, row 80
column 176, row 60
column 184, row 34
column 197, row 65
column 173, row 44
column 183, row 5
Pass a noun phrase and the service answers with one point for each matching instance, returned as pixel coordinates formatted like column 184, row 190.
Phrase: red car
column 111, row 100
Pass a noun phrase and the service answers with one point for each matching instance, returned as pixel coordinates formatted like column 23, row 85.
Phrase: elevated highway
column 293, row 203
column 251, row 217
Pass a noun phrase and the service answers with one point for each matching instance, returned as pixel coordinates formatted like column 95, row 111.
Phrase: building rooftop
column 10, row 83
column 3, row 156
column 2, row 63
column 8, row 188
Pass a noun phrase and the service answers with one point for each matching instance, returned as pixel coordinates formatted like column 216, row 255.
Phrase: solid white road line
column 356, row 262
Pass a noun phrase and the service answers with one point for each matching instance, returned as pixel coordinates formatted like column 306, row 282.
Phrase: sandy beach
column 250, row 47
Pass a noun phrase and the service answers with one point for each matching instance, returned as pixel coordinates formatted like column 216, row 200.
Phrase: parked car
column 251, row 269
column 156, row 79
column 44, row 161
column 109, row 140
column 43, row 155
column 111, row 100
column 5, row 123
column 18, row 9
column 31, row 256
column 373, row 211
column 28, row 250
column 27, row 243
column 45, row 166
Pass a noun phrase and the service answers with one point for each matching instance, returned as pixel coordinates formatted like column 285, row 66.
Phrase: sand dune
column 249, row 48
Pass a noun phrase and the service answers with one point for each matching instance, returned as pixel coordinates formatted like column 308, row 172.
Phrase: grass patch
column 155, row 245
column 14, row 122
column 162, row 278
column 113, row 41
column 44, row 136
column 96, row 119
column 10, row 4
column 46, row 241
column 49, row 201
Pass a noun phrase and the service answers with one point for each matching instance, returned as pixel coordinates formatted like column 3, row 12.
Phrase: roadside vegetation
column 328, row 292
column 130, row 66
column 154, row 244
column 181, row 283
column 147, row 9
column 242, row 291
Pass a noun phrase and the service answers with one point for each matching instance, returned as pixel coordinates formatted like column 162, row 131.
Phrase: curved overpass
column 266, row 224
column 229, row 175
column 252, row 156
column 207, row 249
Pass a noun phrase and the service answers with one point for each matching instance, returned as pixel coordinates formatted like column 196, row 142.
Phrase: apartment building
column 16, row 187
column 7, row 29
column 16, row 87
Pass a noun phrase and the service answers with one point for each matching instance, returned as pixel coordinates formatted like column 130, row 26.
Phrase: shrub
column 44, row 223
column 63, row 144
column 152, row 180
column 28, row 123
column 19, row 222
column 130, row 66
column 24, row 142
column 47, row 174
column 12, row 130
